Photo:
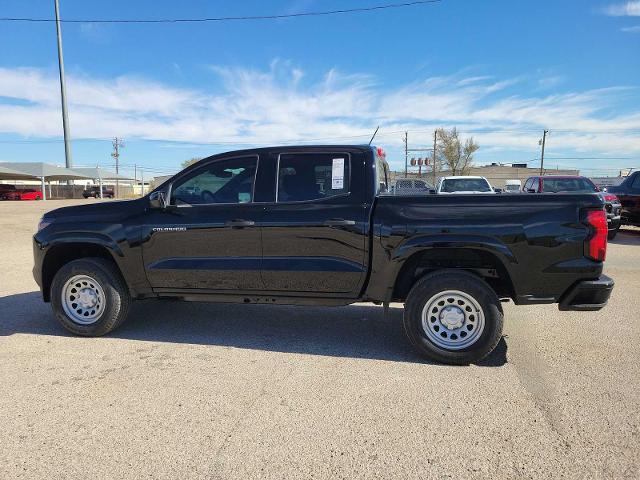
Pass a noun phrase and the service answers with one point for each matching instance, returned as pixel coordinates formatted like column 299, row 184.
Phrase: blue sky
column 501, row 71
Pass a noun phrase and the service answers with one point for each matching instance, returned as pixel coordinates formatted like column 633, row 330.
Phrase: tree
column 456, row 156
column 191, row 161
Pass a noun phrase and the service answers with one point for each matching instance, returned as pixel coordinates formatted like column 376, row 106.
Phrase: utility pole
column 406, row 154
column 544, row 140
column 117, row 145
column 433, row 160
column 63, row 92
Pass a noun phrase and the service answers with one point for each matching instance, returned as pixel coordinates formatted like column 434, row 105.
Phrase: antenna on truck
column 374, row 134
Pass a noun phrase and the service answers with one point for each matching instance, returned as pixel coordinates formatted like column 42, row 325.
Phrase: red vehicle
column 26, row 194
column 629, row 193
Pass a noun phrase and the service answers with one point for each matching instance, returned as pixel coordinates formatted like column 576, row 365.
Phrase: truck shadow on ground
column 355, row 331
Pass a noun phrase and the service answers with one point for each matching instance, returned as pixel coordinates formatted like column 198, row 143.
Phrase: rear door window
column 312, row 176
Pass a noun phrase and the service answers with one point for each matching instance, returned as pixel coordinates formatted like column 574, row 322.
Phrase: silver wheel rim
column 83, row 299
column 453, row 320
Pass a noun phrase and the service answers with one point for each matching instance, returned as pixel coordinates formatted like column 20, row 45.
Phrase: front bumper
column 587, row 295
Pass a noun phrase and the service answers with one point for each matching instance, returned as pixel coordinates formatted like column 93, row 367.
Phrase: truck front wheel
column 453, row 317
column 89, row 297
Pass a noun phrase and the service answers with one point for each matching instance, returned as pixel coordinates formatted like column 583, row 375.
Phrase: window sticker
column 337, row 174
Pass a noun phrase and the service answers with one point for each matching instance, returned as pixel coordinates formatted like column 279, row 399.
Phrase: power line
column 301, row 140
column 230, row 18
column 590, row 158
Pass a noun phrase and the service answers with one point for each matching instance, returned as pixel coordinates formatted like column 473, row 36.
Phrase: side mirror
column 531, row 190
column 497, row 190
column 157, row 201
column 432, row 191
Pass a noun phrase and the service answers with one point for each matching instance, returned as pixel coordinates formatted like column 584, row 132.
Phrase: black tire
column 472, row 286
column 116, row 302
column 612, row 233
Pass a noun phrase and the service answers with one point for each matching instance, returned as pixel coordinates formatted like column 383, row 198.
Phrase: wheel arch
column 484, row 262
column 62, row 253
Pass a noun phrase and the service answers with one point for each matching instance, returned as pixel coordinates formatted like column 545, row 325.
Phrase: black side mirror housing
column 432, row 191
column 157, row 200
column 497, row 190
column 531, row 190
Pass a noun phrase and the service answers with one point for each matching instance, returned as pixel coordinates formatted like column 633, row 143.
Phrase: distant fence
column 59, row 192
column 62, row 192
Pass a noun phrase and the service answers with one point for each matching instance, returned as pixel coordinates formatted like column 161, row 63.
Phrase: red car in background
column 629, row 193
column 26, row 194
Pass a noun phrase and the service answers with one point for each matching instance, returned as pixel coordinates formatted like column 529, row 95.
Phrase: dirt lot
column 233, row 391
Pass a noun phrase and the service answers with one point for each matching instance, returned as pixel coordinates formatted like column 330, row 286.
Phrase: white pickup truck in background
column 464, row 184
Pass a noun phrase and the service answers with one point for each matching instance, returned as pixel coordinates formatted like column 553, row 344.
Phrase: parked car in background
column 411, row 186
column 559, row 184
column 512, row 186
column 613, row 209
column 94, row 191
column 464, row 184
column 4, row 189
column 629, row 194
column 26, row 194
column 577, row 184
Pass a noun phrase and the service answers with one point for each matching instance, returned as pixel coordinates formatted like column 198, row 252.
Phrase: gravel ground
column 187, row 390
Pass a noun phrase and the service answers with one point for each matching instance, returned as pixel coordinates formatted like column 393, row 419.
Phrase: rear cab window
column 451, row 185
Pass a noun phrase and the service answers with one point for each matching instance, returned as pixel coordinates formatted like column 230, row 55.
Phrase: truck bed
column 534, row 243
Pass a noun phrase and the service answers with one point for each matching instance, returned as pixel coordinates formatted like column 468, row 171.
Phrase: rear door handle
column 240, row 223
column 339, row 222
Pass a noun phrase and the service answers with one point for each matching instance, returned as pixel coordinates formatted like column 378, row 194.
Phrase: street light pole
column 63, row 92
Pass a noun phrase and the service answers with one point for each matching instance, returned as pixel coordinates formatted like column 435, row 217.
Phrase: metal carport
column 41, row 171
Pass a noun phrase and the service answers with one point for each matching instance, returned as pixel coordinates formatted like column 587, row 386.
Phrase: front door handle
column 339, row 222
column 239, row 223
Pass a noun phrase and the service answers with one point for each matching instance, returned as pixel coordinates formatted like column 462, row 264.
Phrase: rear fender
column 392, row 266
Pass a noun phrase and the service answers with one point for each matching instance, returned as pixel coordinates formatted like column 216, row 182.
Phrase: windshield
column 555, row 185
column 465, row 185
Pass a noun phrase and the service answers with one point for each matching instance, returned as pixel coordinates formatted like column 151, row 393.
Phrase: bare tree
column 454, row 155
column 191, row 161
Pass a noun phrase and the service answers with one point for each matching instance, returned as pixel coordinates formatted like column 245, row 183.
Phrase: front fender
column 93, row 238
column 49, row 246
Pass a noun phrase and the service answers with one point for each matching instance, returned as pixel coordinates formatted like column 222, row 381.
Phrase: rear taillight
column 595, row 247
column 610, row 198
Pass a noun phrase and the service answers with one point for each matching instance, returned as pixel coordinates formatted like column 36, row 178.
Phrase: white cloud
column 282, row 104
column 626, row 9
column 634, row 29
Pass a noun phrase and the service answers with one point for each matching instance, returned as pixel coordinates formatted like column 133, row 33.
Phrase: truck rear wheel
column 89, row 297
column 453, row 317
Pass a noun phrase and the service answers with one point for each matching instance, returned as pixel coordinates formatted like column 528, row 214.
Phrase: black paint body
column 355, row 247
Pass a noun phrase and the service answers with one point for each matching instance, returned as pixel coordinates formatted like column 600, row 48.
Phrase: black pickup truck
column 315, row 225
